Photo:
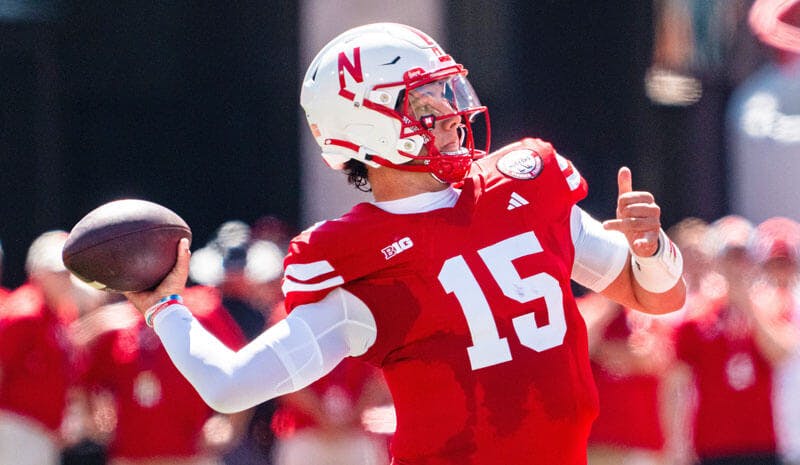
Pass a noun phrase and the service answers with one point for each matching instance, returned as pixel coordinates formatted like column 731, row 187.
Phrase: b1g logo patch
column 397, row 247
column 520, row 164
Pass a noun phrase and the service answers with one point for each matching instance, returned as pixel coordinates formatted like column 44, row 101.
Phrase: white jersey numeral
column 488, row 347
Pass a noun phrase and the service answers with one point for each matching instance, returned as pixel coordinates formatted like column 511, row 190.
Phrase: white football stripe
column 306, row 271
column 293, row 286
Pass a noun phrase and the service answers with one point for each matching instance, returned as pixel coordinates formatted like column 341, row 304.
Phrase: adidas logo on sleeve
column 516, row 201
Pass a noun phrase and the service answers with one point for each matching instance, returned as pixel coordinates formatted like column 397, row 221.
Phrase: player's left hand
column 638, row 216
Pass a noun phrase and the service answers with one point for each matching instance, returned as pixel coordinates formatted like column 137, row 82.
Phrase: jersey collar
column 421, row 203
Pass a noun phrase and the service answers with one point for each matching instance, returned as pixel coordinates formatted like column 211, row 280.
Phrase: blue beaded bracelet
column 165, row 302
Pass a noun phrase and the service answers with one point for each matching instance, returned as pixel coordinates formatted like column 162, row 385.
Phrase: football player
column 455, row 281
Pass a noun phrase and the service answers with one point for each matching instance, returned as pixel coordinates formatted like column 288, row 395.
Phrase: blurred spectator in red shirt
column 35, row 357
column 247, row 271
column 629, row 354
column 251, row 289
column 727, row 359
column 140, row 405
column 776, row 249
column 322, row 424
column 632, row 358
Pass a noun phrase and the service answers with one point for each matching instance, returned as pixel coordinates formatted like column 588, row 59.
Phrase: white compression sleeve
column 287, row 357
column 600, row 255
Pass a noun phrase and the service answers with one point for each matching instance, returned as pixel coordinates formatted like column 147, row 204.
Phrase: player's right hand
column 173, row 283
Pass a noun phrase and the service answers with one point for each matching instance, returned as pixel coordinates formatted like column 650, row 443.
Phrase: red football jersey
column 159, row 414
column 35, row 358
column 478, row 333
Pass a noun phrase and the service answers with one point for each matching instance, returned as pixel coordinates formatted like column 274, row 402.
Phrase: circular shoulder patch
column 520, row 164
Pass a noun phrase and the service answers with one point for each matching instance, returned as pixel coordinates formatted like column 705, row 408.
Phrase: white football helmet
column 374, row 94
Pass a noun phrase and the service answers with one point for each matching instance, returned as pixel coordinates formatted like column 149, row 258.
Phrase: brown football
column 125, row 245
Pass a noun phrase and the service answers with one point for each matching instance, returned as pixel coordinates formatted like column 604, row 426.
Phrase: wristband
column 150, row 313
column 662, row 271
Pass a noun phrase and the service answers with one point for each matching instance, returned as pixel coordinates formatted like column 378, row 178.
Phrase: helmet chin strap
column 447, row 169
column 436, row 178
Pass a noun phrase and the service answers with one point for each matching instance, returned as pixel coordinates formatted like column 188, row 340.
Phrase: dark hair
column 356, row 172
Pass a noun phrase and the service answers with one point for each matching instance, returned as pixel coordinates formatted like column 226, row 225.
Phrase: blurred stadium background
column 195, row 104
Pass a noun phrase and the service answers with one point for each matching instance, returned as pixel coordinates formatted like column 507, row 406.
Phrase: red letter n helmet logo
column 353, row 68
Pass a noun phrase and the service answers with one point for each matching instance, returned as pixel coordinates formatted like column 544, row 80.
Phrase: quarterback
column 455, row 280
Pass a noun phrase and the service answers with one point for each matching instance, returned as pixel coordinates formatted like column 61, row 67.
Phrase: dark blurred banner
column 189, row 105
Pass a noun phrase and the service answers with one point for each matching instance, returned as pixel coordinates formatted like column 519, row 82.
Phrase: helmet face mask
column 451, row 102
column 383, row 93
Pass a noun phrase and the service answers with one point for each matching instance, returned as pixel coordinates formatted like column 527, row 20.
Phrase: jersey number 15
column 488, row 347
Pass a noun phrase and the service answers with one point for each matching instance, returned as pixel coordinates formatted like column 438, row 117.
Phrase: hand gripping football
column 125, row 245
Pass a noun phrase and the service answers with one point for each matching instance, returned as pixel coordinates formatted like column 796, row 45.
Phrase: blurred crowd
column 84, row 381
column 717, row 381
